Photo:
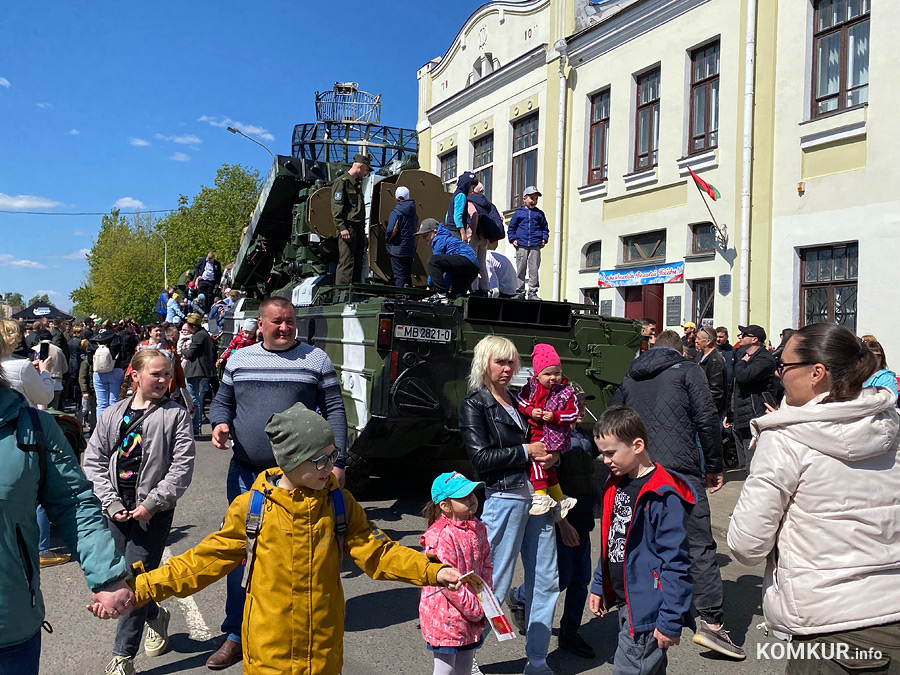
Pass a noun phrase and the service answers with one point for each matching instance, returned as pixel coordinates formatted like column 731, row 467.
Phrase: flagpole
column 706, row 204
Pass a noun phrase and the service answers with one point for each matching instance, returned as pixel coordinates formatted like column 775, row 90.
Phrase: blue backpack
column 253, row 526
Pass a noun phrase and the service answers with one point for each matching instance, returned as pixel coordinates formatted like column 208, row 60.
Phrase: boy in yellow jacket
column 294, row 614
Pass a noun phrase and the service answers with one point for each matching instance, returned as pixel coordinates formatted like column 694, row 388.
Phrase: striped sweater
column 259, row 383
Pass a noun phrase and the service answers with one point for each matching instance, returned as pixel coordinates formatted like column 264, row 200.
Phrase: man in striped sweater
column 261, row 380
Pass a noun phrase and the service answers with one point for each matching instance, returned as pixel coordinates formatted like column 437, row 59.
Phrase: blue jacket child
column 529, row 227
column 658, row 585
column 404, row 220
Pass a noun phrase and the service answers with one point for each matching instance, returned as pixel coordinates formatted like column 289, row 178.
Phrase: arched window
column 592, row 256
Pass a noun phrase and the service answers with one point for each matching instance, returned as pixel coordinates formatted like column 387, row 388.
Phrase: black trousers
column 462, row 272
column 709, row 593
column 207, row 288
column 742, row 438
column 402, row 267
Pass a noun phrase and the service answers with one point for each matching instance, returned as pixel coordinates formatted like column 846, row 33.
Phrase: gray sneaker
column 120, row 665
column 543, row 669
column 717, row 640
column 157, row 633
column 475, row 668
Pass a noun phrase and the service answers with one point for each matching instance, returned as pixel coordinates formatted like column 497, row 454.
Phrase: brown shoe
column 49, row 559
column 225, row 656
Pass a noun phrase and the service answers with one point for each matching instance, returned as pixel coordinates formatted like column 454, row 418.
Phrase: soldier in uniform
column 348, row 209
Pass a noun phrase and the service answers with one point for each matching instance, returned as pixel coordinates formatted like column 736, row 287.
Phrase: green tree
column 125, row 274
column 14, row 299
column 39, row 298
column 213, row 221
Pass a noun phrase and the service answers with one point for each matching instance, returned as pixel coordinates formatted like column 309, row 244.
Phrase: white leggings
column 459, row 663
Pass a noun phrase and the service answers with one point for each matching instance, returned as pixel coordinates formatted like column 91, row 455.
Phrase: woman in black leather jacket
column 497, row 442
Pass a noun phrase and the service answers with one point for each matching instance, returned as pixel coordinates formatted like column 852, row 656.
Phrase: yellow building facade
column 642, row 91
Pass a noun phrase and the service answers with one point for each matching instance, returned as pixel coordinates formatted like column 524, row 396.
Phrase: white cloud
column 139, row 142
column 187, row 139
column 249, row 129
column 42, row 292
column 4, row 82
column 74, row 132
column 26, row 203
column 130, row 203
column 180, row 157
column 80, row 254
column 6, row 260
column 44, row 105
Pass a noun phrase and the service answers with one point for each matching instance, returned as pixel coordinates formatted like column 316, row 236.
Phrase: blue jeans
column 513, row 532
column 43, row 530
column 574, row 577
column 197, row 387
column 23, row 658
column 107, row 387
column 239, row 481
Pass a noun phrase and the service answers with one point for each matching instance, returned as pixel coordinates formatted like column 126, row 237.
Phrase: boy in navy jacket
column 644, row 567
column 528, row 231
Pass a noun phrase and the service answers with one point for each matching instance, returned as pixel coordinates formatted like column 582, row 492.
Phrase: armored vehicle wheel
column 357, row 474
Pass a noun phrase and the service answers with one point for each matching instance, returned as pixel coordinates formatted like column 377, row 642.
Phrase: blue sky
column 105, row 104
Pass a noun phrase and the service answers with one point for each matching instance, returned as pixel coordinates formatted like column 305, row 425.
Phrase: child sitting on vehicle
column 294, row 612
column 548, row 402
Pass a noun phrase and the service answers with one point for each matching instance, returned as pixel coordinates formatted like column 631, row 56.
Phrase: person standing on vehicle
column 207, row 273
column 200, row 357
column 753, row 374
column 400, row 237
column 457, row 211
column 529, row 232
column 262, row 379
column 348, row 209
column 487, row 228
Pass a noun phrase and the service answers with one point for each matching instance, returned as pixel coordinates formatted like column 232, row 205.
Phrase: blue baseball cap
column 452, row 485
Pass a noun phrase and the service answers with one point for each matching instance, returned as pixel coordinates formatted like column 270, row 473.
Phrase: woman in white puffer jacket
column 822, row 503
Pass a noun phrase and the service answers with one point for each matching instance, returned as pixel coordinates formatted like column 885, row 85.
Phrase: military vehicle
column 403, row 362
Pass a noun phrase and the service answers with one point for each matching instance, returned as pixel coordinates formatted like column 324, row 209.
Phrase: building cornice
column 632, row 22
column 499, row 6
column 502, row 76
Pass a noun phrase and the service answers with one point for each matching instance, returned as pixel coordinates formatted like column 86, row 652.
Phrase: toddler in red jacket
column 548, row 402
column 452, row 621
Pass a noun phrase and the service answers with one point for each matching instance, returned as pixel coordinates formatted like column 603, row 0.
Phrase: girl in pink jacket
column 452, row 621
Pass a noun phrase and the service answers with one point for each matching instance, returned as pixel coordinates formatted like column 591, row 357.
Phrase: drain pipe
column 747, row 164
column 560, row 46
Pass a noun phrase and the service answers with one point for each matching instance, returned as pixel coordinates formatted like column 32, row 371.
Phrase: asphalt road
column 382, row 634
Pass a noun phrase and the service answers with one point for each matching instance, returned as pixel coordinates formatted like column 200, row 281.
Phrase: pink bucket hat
column 543, row 356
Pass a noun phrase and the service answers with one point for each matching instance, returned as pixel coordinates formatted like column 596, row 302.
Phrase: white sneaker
column 157, row 633
column 120, row 665
column 543, row 669
column 541, row 504
column 565, row 505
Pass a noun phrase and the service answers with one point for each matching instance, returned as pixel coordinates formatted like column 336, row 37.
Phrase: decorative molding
column 841, row 133
column 698, row 162
column 586, row 192
column 422, row 125
column 504, row 75
column 641, row 178
column 501, row 7
column 699, row 257
column 624, row 26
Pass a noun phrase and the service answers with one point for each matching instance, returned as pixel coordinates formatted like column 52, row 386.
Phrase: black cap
column 360, row 158
column 756, row 331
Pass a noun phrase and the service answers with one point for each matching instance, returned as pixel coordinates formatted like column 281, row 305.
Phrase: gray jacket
column 167, row 463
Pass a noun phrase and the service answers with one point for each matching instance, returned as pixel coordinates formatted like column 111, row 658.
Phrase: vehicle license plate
column 422, row 333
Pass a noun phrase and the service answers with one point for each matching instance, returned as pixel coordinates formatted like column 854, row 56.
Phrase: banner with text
column 642, row 276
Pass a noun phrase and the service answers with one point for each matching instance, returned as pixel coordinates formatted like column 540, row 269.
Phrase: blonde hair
column 10, row 337
column 487, row 349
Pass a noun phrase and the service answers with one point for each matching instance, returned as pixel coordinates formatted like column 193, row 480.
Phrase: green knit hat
column 298, row 434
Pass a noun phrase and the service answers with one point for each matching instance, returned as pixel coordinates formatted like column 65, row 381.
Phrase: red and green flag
column 703, row 186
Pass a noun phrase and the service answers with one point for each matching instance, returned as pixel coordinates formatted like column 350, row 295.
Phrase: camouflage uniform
column 348, row 208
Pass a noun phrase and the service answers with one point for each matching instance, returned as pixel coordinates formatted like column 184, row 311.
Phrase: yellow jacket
column 294, row 614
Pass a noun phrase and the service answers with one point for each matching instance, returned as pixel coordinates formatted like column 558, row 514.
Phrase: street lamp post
column 165, row 258
column 238, row 131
